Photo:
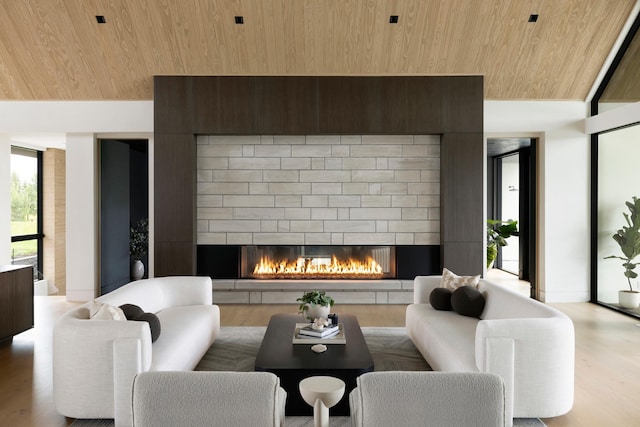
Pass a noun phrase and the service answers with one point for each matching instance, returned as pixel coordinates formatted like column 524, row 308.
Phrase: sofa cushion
column 103, row 311
column 445, row 339
column 467, row 301
column 131, row 311
column 187, row 334
column 452, row 281
column 440, row 299
column 154, row 324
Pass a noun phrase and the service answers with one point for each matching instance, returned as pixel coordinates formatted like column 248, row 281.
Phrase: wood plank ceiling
column 55, row 49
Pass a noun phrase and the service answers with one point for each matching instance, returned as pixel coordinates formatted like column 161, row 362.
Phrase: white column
column 5, row 200
column 81, row 216
column 565, row 222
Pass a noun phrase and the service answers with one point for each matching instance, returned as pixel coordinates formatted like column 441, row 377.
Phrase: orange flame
column 320, row 267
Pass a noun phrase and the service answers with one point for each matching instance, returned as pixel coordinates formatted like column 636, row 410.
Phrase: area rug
column 236, row 347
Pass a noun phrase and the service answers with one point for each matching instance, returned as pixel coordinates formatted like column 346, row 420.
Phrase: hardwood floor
column 607, row 361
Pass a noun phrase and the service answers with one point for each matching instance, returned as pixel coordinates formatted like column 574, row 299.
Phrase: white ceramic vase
column 137, row 270
column 314, row 311
column 629, row 299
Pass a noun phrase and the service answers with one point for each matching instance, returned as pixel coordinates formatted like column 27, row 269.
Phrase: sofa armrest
column 422, row 287
column 127, row 363
column 156, row 294
column 542, row 358
column 83, row 363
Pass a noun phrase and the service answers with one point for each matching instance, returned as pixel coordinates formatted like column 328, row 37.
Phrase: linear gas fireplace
column 317, row 262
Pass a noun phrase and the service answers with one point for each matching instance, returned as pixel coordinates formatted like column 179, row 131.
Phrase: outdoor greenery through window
column 26, row 221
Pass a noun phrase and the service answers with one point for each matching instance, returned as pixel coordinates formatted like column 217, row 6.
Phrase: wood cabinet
column 16, row 300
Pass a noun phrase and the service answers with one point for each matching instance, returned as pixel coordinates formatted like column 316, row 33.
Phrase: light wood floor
column 607, row 382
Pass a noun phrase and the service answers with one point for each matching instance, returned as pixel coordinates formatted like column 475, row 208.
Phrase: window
column 615, row 176
column 26, row 208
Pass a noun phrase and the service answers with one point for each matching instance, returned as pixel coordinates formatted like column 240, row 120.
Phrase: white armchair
column 195, row 399
column 408, row 399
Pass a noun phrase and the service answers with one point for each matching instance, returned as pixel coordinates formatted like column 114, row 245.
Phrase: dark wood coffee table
column 294, row 362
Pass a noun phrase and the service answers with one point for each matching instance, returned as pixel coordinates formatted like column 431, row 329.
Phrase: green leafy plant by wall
column 498, row 231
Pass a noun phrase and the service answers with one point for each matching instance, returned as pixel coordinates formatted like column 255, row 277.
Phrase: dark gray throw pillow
column 154, row 324
column 131, row 311
column 440, row 299
column 467, row 301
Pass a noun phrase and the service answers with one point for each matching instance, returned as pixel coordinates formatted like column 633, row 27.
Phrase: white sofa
column 95, row 361
column 408, row 399
column 195, row 399
column 529, row 344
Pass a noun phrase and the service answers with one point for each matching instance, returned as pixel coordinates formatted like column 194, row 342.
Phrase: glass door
column 509, row 208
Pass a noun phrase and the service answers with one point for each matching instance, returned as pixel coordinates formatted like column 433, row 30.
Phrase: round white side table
column 322, row 393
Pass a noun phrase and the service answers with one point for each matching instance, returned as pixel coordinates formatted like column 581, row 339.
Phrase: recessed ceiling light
column 101, row 19
column 393, row 19
column 239, row 20
column 533, row 18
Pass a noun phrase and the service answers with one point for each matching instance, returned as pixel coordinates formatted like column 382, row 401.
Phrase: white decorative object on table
column 319, row 324
column 322, row 393
column 319, row 348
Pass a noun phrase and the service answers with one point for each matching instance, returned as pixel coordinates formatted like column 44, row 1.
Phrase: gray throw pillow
column 154, row 324
column 440, row 299
column 131, row 311
column 467, row 301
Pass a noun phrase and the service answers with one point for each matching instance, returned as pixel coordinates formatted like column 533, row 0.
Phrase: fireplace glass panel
column 318, row 262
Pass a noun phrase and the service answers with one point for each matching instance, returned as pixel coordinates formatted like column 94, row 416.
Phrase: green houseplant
column 138, row 245
column 628, row 238
column 315, row 304
column 498, row 231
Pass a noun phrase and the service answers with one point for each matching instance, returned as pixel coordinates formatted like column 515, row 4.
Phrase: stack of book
column 326, row 332
column 305, row 334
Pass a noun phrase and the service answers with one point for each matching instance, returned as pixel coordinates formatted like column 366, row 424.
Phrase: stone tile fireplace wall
column 318, row 190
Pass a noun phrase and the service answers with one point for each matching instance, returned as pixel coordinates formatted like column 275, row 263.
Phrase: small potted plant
column 498, row 232
column 315, row 305
column 138, row 245
column 628, row 237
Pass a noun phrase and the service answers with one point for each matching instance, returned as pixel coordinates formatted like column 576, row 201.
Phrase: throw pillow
column 452, row 281
column 467, row 301
column 154, row 324
column 440, row 299
column 131, row 311
column 102, row 311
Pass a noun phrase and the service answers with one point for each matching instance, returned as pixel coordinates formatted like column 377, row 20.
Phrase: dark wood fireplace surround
column 187, row 106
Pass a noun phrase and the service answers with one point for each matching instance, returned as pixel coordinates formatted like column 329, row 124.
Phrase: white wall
column 81, row 217
column 80, row 123
column 563, row 188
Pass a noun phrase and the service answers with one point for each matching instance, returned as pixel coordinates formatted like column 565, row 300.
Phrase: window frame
column 39, row 235
column 634, row 31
